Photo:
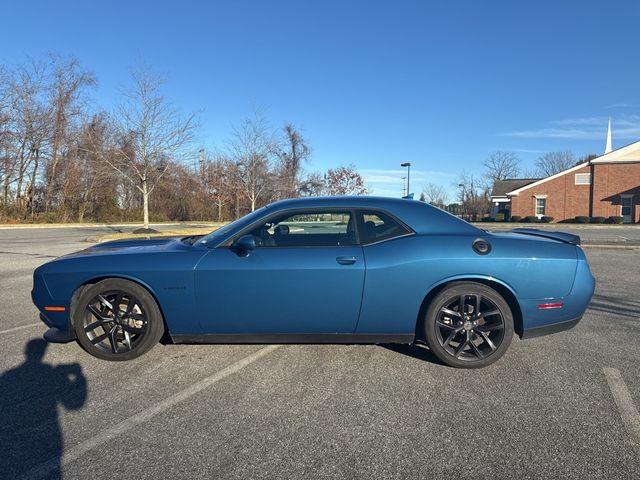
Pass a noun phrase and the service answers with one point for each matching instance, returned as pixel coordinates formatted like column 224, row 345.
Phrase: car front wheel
column 468, row 325
column 116, row 319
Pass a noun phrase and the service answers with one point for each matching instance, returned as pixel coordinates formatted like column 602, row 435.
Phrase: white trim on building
column 515, row 192
column 627, row 154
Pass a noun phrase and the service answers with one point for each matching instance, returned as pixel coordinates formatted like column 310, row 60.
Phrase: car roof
column 420, row 216
column 338, row 200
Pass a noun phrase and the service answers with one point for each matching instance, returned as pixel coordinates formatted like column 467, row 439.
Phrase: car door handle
column 346, row 260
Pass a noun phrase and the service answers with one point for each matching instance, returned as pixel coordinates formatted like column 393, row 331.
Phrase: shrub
column 581, row 219
column 530, row 219
column 546, row 219
column 597, row 219
column 488, row 219
column 499, row 217
column 516, row 218
column 616, row 219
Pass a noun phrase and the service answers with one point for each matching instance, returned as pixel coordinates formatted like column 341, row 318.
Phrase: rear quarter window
column 379, row 226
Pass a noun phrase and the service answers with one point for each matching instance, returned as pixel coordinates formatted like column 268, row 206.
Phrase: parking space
column 546, row 410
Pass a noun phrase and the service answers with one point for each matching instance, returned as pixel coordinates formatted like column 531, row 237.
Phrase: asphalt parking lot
column 561, row 406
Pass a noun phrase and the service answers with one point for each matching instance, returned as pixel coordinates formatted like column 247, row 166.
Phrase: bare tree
column 91, row 185
column 26, row 135
column 5, row 127
column 554, row 162
column 529, row 173
column 294, row 153
column 474, row 197
column 61, row 158
column 219, row 176
column 252, row 149
column 344, row 181
column 312, row 185
column 501, row 165
column 151, row 135
column 66, row 89
column 435, row 195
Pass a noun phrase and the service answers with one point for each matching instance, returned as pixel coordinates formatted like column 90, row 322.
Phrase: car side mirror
column 244, row 245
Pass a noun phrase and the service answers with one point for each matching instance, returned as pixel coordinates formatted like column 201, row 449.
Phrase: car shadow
column 417, row 351
column 622, row 307
column 30, row 394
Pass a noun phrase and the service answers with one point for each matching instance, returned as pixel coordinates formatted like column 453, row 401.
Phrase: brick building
column 500, row 201
column 608, row 185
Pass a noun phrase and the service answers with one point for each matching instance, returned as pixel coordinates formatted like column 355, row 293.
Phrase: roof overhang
column 627, row 154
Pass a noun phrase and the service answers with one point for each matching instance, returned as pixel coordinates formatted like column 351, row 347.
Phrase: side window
column 307, row 229
column 378, row 226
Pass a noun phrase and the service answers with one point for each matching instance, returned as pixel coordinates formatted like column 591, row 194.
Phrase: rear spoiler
column 560, row 236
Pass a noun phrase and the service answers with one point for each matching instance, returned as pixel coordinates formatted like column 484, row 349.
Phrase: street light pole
column 408, row 165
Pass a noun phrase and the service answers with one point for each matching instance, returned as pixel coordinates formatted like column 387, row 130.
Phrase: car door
column 305, row 276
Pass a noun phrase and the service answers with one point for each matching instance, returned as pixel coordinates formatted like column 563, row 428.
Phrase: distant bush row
column 584, row 219
column 545, row 219
column 518, row 218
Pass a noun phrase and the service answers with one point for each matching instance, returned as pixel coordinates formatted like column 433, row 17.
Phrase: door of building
column 626, row 208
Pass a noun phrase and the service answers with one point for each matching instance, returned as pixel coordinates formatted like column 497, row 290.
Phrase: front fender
column 169, row 277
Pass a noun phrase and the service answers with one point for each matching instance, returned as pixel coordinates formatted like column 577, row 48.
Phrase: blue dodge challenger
column 321, row 270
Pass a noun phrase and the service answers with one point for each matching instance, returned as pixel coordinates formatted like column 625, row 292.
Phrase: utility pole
column 201, row 160
column 408, row 165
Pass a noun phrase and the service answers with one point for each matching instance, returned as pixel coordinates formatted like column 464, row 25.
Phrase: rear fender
column 506, row 290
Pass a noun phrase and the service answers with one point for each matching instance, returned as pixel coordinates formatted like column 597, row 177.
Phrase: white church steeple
column 608, row 147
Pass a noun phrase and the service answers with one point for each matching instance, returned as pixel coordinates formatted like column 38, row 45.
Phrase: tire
column 116, row 319
column 475, row 337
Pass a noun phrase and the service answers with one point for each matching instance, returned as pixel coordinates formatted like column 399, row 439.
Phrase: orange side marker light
column 55, row 309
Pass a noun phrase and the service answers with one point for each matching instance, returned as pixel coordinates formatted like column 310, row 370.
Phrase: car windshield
column 215, row 236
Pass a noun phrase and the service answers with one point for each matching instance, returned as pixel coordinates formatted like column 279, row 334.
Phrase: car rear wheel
column 468, row 325
column 117, row 319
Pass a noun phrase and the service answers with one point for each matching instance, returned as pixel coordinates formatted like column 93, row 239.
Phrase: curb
column 557, row 226
column 610, row 246
column 23, row 226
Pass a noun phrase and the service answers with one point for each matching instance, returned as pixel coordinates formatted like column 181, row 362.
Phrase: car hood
column 136, row 246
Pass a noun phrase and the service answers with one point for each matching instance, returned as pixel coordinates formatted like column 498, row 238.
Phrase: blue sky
column 440, row 84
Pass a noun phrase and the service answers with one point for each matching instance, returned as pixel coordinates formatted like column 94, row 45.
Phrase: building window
column 541, row 205
column 583, row 179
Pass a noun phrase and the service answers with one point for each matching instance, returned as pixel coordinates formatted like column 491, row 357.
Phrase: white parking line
column 79, row 450
column 15, row 329
column 626, row 407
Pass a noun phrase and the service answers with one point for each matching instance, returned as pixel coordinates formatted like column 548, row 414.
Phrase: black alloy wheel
column 117, row 319
column 468, row 325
